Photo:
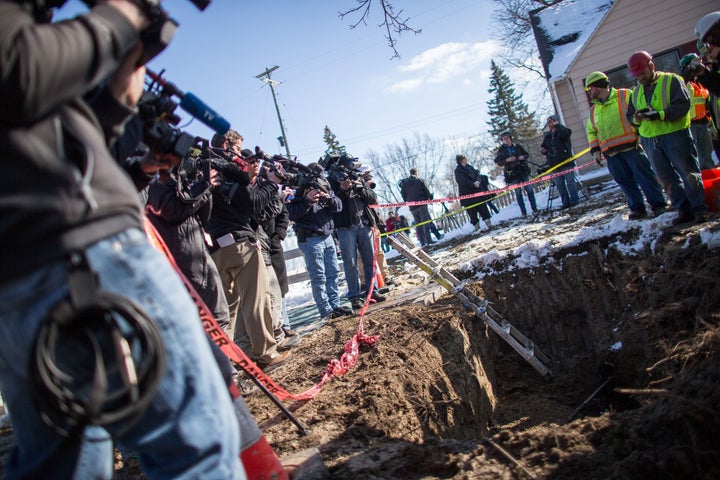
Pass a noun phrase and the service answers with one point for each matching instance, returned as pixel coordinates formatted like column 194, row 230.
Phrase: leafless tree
column 393, row 22
column 426, row 154
column 511, row 25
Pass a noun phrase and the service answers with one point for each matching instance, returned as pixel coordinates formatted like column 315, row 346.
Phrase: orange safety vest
column 698, row 101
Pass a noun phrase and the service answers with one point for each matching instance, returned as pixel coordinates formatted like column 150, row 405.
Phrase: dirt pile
column 441, row 396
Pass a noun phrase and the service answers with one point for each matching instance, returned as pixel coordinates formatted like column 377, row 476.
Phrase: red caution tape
column 235, row 353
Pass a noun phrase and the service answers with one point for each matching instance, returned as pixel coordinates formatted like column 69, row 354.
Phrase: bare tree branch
column 393, row 22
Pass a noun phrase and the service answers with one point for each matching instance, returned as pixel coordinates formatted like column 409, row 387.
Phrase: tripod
column 553, row 193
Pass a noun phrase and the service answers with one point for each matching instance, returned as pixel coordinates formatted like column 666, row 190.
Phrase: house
column 576, row 37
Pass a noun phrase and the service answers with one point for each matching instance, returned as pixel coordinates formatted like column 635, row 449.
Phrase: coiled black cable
column 97, row 364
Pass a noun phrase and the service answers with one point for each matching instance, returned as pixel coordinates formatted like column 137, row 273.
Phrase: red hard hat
column 638, row 62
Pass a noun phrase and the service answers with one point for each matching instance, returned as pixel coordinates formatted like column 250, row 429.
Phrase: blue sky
column 331, row 74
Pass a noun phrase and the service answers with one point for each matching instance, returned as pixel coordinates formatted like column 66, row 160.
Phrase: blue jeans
column 420, row 214
column 567, row 188
column 632, row 172
column 354, row 239
column 322, row 266
column 530, row 194
column 674, row 158
column 188, row 430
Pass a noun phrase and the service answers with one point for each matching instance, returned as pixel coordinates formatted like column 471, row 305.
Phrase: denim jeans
column 322, row 266
column 703, row 142
column 530, row 194
column 353, row 239
column 632, row 172
column 674, row 158
column 188, row 430
column 421, row 214
column 567, row 188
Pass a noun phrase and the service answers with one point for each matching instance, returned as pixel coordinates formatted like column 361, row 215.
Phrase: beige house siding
column 630, row 25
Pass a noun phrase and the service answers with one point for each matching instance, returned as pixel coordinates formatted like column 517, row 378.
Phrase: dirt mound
column 441, row 396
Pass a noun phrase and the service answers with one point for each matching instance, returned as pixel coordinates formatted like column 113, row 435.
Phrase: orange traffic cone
column 380, row 280
column 256, row 454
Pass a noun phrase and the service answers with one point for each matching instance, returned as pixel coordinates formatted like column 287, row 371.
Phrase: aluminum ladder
column 519, row 342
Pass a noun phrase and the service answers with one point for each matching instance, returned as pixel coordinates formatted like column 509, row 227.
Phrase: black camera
column 159, row 133
column 543, row 168
column 341, row 167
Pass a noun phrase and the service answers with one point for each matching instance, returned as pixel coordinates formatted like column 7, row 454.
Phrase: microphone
column 192, row 104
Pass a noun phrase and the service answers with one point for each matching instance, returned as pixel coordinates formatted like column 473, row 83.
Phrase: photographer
column 557, row 148
column 69, row 210
column 471, row 181
column 513, row 158
column 311, row 211
column 354, row 223
column 236, row 250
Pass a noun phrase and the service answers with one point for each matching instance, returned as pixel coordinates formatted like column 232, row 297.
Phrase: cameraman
column 311, row 211
column 557, row 147
column 236, row 250
column 62, row 193
column 513, row 158
column 354, row 223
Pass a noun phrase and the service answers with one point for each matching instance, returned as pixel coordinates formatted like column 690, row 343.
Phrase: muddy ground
column 441, row 396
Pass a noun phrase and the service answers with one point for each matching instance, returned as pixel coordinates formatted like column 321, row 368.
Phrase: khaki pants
column 245, row 280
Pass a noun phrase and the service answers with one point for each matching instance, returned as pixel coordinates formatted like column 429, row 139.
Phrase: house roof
column 561, row 31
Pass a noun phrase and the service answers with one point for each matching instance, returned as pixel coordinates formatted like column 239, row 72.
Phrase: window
column 664, row 62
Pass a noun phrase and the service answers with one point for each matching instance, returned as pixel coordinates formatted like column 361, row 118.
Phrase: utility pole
column 265, row 77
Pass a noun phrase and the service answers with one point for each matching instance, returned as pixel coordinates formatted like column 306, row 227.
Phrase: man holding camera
column 610, row 133
column 311, row 211
column 354, row 224
column 236, row 250
column 557, row 148
column 660, row 109
column 513, row 158
column 69, row 212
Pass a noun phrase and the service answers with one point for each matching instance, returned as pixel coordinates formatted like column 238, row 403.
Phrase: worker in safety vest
column 660, row 109
column 611, row 134
column 699, row 114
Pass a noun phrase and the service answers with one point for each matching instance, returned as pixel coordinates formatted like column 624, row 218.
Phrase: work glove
column 597, row 156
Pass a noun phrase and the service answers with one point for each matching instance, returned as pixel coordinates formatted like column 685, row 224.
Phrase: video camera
column 341, row 167
column 297, row 176
column 157, row 111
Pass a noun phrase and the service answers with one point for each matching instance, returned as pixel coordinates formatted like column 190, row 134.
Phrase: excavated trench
column 429, row 398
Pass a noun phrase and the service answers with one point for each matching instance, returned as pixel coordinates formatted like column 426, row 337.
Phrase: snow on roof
column 562, row 30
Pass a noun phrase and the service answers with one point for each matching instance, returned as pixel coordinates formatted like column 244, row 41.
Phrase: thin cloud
column 449, row 61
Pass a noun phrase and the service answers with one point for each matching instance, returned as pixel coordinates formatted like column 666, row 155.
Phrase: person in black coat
column 513, row 158
column 414, row 189
column 470, row 181
column 557, row 148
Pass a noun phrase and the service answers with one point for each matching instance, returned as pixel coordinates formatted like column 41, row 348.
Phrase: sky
column 330, row 74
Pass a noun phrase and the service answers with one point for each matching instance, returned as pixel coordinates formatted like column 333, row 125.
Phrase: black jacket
column 314, row 218
column 355, row 204
column 236, row 207
column 558, row 146
column 466, row 176
column 179, row 220
column 60, row 188
column 517, row 171
column 414, row 189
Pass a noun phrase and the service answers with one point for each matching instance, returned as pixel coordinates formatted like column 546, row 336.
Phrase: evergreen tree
column 507, row 111
column 332, row 142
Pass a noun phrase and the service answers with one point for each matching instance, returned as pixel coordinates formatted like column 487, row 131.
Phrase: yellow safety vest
column 660, row 101
column 608, row 127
